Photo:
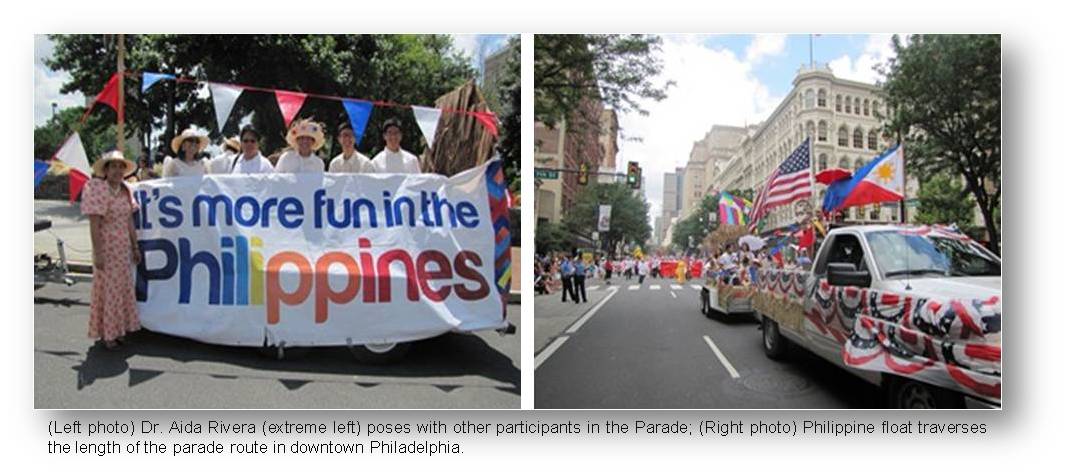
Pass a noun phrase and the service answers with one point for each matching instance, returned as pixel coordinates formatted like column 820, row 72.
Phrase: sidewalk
column 552, row 316
column 69, row 225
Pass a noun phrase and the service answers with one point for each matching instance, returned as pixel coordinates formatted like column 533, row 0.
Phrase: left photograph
column 276, row 221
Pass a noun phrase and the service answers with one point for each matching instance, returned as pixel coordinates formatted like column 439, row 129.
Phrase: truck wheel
column 905, row 393
column 774, row 345
column 377, row 354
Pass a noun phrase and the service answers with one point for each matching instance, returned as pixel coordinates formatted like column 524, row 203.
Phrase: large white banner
column 323, row 259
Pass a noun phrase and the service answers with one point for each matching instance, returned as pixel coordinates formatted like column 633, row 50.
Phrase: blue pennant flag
column 148, row 79
column 40, row 168
column 358, row 115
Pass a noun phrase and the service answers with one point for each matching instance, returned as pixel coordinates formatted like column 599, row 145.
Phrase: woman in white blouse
column 187, row 147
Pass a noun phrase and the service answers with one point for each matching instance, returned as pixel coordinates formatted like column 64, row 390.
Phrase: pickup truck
column 915, row 310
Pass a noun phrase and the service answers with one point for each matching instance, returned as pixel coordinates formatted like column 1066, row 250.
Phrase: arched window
column 857, row 138
column 866, row 107
column 809, row 99
column 842, row 136
column 848, row 104
column 843, row 163
column 837, row 103
column 872, row 140
column 856, row 105
column 875, row 110
column 811, row 129
column 822, row 131
column 822, row 97
column 822, row 161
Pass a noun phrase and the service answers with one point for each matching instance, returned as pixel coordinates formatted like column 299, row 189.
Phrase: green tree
column 551, row 237
column 401, row 69
column 943, row 94
column 942, row 200
column 97, row 134
column 691, row 231
column 615, row 69
column 510, row 144
column 629, row 214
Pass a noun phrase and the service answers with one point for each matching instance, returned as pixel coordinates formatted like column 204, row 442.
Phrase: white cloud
column 46, row 84
column 764, row 46
column 466, row 43
column 712, row 87
column 877, row 51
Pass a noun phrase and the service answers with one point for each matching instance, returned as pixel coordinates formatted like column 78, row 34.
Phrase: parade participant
column 607, row 271
column 566, row 269
column 682, row 272
column 642, row 271
column 305, row 137
column 145, row 172
column 250, row 161
column 803, row 260
column 109, row 204
column 580, row 271
column 350, row 160
column 223, row 162
column 394, row 159
column 187, row 147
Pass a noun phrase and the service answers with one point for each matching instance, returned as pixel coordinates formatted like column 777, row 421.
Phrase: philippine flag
column 880, row 181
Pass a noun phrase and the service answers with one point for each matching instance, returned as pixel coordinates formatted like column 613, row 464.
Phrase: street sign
column 546, row 174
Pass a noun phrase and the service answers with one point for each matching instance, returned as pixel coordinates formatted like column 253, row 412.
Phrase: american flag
column 791, row 181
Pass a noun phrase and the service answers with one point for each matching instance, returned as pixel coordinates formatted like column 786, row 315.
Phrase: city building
column 609, row 147
column 567, row 146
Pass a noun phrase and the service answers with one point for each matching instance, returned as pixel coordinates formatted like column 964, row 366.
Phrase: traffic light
column 633, row 175
column 583, row 174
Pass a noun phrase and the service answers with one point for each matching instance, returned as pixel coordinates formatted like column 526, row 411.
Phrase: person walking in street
column 109, row 204
column 350, row 160
column 566, row 269
column 682, row 271
column 607, row 271
column 250, row 160
column 580, row 271
column 394, row 159
column 305, row 137
column 187, row 148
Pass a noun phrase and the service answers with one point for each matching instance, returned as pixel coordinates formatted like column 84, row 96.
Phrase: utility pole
column 121, row 68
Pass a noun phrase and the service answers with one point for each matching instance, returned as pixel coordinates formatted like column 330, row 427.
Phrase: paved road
column 158, row 371
column 647, row 346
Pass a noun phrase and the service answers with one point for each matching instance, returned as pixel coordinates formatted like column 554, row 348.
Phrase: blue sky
column 730, row 80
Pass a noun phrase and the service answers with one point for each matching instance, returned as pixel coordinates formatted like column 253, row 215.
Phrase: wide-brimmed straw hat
column 306, row 128
column 233, row 142
column 114, row 155
column 190, row 133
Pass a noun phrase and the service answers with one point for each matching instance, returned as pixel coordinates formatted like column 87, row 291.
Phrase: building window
column 874, row 109
column 809, row 99
column 837, row 103
column 822, row 161
column 811, row 129
column 866, row 107
column 822, row 97
column 857, row 138
column 856, row 166
column 856, row 105
column 872, row 140
column 848, row 104
column 842, row 136
column 822, row 130
column 843, row 163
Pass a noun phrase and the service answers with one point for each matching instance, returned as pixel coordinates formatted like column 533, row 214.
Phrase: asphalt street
column 153, row 370
column 648, row 346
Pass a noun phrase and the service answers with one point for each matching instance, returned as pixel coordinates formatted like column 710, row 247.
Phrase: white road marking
column 614, row 287
column 589, row 314
column 676, row 287
column 695, row 287
column 722, row 358
column 654, row 287
column 552, row 347
column 593, row 287
column 633, row 287
column 672, row 294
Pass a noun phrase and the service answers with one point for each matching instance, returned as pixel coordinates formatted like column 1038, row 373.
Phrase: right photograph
column 803, row 221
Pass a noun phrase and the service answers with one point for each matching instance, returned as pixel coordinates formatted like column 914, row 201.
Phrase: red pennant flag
column 488, row 119
column 289, row 102
column 110, row 96
column 807, row 238
column 76, row 182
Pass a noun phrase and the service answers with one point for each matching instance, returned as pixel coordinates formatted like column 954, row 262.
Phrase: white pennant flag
column 72, row 154
column 427, row 118
column 225, row 96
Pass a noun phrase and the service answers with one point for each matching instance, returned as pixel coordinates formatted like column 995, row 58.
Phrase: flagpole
column 904, row 186
column 121, row 69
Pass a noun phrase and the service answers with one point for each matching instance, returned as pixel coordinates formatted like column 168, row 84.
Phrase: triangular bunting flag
column 72, row 153
column 289, row 102
column 427, row 118
column 358, row 115
column 110, row 96
column 488, row 119
column 40, row 168
column 149, row 79
column 225, row 96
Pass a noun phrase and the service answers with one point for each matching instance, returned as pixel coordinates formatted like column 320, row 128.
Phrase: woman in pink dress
column 109, row 204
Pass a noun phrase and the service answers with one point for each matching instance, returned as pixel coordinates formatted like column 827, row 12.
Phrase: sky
column 47, row 83
column 730, row 80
